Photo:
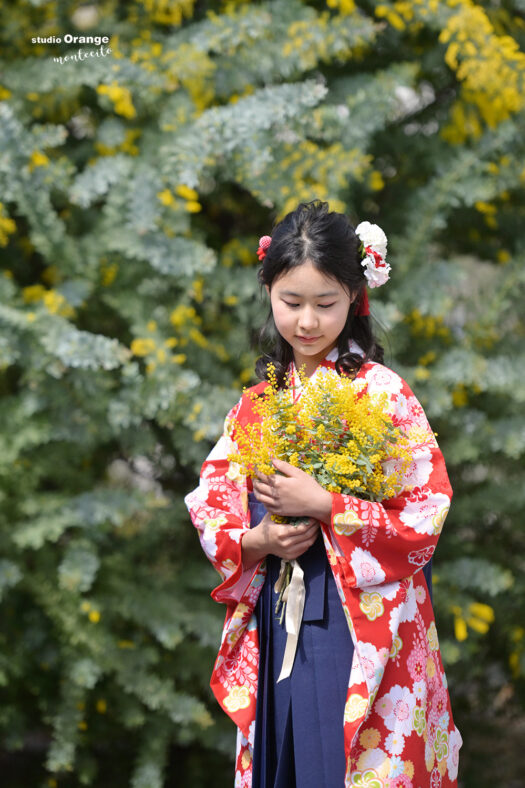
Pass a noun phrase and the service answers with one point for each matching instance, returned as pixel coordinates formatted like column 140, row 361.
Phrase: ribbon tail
column 294, row 615
column 363, row 307
column 279, row 583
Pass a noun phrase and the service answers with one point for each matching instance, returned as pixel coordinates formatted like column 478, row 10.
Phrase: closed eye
column 322, row 306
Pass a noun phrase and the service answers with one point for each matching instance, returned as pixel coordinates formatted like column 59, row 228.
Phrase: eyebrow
column 319, row 295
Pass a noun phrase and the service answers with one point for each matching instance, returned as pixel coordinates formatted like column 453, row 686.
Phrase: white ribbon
column 294, row 597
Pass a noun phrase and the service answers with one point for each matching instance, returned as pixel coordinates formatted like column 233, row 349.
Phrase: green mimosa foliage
column 133, row 188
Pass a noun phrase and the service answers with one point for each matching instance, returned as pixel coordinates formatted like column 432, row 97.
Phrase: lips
column 308, row 340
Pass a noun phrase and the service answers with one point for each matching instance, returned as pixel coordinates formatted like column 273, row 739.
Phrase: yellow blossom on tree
column 51, row 275
column 186, row 193
column 33, row 293
column 183, row 314
column 38, row 159
column 109, row 273
column 126, row 644
column 166, row 197
column 142, row 347
column 7, row 227
column 193, row 206
column 56, row 303
column 120, row 97
column 376, row 180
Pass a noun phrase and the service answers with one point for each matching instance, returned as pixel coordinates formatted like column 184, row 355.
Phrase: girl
column 365, row 702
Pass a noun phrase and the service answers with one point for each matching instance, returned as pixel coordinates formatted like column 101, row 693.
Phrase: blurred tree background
column 134, row 187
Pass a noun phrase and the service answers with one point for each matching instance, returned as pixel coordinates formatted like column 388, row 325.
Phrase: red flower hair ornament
column 264, row 243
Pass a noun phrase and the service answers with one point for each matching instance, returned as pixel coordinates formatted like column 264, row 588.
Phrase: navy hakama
column 299, row 721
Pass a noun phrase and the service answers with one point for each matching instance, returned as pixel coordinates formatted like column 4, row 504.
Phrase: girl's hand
column 293, row 494
column 284, row 540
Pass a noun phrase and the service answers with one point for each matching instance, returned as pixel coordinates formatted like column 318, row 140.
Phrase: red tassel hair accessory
column 363, row 307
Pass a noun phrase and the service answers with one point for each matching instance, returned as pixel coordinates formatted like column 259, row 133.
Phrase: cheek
column 335, row 320
column 281, row 316
column 342, row 314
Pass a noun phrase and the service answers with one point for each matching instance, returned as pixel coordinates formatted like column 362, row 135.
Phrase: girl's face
column 310, row 311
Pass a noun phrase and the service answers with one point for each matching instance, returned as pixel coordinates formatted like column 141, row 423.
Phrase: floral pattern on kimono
column 398, row 726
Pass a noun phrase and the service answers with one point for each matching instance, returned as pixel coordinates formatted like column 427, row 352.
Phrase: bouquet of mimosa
column 330, row 427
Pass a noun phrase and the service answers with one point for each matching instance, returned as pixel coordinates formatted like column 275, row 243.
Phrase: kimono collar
column 327, row 363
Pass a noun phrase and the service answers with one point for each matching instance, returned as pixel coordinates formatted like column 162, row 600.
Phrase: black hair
column 328, row 240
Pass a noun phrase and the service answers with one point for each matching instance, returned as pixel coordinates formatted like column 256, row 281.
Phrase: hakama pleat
column 299, row 720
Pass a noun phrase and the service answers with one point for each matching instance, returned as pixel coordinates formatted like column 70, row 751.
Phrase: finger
column 306, row 522
column 298, row 533
column 284, row 467
column 261, row 488
column 263, row 477
column 296, row 550
column 269, row 500
column 305, row 525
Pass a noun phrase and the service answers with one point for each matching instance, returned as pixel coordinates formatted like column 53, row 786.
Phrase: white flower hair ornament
column 373, row 248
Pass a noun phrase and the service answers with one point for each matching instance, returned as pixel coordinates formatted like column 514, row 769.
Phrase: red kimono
column 398, row 726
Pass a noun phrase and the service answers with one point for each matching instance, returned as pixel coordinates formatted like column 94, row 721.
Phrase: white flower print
column 371, row 659
column 389, row 590
column 374, row 759
column 401, row 410
column 454, row 743
column 418, row 472
column 395, row 743
column 429, row 750
column 425, row 514
column 406, row 611
column 367, row 569
column 419, row 689
column 208, row 535
column 396, row 766
column 381, row 378
column 396, row 708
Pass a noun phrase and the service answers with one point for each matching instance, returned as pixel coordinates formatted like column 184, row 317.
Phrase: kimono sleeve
column 219, row 510
column 377, row 543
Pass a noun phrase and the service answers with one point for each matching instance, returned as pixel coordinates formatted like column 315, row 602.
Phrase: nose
column 307, row 319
